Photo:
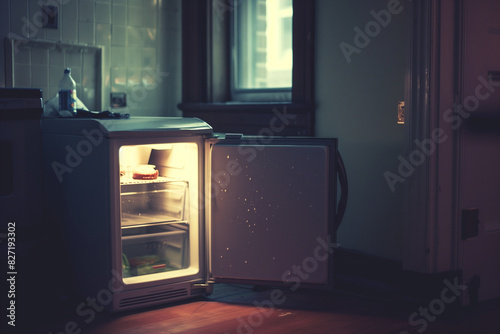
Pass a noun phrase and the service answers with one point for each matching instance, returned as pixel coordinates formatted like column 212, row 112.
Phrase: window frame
column 206, row 70
column 240, row 94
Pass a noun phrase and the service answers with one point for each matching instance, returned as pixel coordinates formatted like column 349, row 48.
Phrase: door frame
column 432, row 88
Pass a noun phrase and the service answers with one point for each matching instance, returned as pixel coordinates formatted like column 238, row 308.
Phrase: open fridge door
column 272, row 218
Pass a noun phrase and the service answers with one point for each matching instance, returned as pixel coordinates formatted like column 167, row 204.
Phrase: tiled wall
column 140, row 49
column 41, row 64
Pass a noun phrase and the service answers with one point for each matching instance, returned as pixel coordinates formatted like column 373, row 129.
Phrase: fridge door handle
column 342, row 175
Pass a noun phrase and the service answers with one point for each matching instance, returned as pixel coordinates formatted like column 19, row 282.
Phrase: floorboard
column 237, row 309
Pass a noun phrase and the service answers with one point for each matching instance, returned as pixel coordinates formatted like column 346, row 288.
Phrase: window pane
column 262, row 44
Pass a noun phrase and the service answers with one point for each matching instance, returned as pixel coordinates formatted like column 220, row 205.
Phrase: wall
column 357, row 103
column 140, row 40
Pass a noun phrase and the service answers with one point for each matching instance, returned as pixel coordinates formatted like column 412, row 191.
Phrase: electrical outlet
column 118, row 100
column 401, row 112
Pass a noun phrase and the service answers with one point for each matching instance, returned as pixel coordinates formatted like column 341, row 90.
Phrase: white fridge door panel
column 271, row 217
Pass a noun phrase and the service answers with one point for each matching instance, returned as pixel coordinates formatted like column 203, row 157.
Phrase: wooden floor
column 238, row 309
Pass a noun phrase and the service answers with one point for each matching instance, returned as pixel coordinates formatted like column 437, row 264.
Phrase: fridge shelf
column 124, row 181
column 141, row 192
column 130, row 239
column 131, row 221
column 154, row 249
column 153, row 202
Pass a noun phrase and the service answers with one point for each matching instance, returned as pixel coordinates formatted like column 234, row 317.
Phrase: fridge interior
column 158, row 211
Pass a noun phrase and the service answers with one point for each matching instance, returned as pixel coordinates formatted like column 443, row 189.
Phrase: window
column 239, row 73
column 261, row 51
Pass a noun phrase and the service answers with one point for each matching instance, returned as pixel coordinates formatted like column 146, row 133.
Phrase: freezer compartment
column 154, row 249
column 153, row 201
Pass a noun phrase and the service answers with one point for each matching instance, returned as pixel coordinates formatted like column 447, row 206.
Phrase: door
column 480, row 152
column 272, row 213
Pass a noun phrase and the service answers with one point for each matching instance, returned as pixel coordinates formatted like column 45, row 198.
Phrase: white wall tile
column 103, row 34
column 149, row 57
column 134, row 76
column 118, row 56
column 73, row 59
column 23, row 56
column 135, row 16
column 134, row 57
column 22, row 75
column 102, row 12
column 150, row 38
column 56, row 73
column 135, row 37
column 150, row 5
column 118, row 35
column 40, row 77
column 135, row 3
column 86, row 10
column 119, row 15
column 69, row 22
column 149, row 13
column 118, row 79
column 87, row 96
column 56, row 58
column 149, row 79
column 19, row 15
column 89, row 72
column 86, row 32
column 39, row 57
column 146, row 98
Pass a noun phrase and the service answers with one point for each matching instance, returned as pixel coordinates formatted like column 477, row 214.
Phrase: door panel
column 480, row 149
column 271, row 215
column 480, row 184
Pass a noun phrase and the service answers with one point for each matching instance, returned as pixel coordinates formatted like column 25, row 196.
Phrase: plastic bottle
column 67, row 92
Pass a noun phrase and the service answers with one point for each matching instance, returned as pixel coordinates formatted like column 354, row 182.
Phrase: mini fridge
column 158, row 209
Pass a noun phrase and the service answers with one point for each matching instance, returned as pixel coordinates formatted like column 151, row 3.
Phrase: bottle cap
column 67, row 70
